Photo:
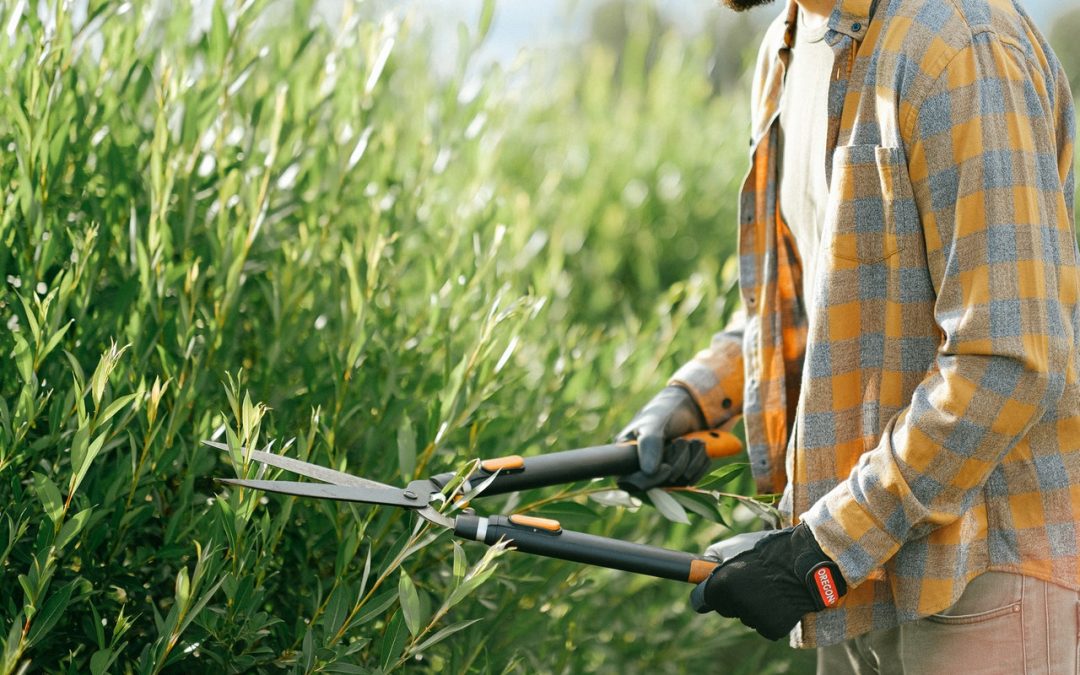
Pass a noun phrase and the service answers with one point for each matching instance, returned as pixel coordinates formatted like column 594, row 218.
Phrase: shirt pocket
column 870, row 204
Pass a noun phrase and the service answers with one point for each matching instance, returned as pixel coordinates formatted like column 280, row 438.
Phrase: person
column 905, row 357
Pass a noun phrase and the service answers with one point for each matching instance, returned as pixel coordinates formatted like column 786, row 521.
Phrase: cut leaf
column 667, row 506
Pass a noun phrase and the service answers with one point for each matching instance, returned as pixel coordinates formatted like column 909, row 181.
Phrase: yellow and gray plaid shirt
column 922, row 411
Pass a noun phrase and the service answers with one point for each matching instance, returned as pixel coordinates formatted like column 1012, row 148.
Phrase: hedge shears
column 540, row 536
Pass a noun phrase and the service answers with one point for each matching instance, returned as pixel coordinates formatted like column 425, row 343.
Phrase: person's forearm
column 714, row 377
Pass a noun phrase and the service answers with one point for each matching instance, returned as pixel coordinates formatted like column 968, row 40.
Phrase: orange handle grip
column 701, row 569
column 718, row 443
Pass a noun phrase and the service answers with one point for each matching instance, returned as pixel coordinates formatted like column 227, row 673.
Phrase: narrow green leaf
column 470, row 584
column 14, row 636
column 31, row 318
column 443, row 634
column 476, row 577
column 393, row 640
column 99, row 629
column 410, row 603
column 367, row 572
column 24, row 360
column 86, row 459
column 116, row 406
column 50, row 613
column 28, row 590
column 307, row 650
column 723, row 475
column 406, row 442
column 337, row 608
column 461, row 563
column 79, row 443
column 201, row 604
column 347, row 669
column 449, row 393
column 100, row 661
column 219, row 35
column 72, row 527
column 55, row 340
column 50, row 497
column 77, row 372
column 374, row 607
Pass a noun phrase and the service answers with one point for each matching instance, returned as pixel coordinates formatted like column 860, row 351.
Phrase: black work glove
column 670, row 414
column 684, row 463
column 784, row 577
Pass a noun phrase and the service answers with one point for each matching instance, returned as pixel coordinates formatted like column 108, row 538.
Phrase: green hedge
column 265, row 226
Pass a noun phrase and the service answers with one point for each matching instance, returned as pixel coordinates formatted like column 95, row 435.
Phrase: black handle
column 545, row 537
column 555, row 468
column 601, row 461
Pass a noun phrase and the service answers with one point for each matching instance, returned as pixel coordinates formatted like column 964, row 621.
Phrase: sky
column 521, row 24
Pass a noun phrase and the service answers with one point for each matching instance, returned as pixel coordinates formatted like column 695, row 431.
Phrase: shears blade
column 305, row 468
column 384, row 495
column 387, row 496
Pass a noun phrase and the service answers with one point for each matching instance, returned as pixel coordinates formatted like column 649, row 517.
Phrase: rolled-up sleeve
column 714, row 377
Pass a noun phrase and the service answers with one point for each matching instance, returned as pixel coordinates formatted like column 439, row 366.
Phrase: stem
column 560, row 496
column 394, row 564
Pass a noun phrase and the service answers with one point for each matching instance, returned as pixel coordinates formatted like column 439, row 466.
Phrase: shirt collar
column 849, row 17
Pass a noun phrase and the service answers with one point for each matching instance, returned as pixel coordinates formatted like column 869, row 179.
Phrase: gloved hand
column 784, row 577
column 684, row 463
column 670, row 414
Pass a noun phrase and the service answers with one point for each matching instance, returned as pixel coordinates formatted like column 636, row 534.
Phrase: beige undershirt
column 804, row 124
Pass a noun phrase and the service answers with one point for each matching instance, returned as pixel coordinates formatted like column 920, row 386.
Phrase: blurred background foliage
column 261, row 222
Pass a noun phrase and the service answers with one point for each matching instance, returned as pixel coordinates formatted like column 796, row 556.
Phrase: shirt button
column 856, row 27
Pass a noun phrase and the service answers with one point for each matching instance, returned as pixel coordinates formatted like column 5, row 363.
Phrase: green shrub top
column 406, row 270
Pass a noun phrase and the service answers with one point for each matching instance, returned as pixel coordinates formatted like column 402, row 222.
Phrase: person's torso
column 869, row 337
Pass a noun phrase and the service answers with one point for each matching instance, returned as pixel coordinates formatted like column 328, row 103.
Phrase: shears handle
column 545, row 537
column 601, row 461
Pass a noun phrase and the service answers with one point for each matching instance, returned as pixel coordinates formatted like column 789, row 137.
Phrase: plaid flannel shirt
column 922, row 411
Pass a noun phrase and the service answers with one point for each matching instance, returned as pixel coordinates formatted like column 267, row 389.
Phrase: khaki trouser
column 1002, row 624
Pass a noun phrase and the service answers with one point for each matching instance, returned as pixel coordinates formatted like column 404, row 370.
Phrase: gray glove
column 727, row 549
column 684, row 463
column 670, row 414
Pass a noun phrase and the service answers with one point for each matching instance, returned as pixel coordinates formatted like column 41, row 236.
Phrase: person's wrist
column 818, row 572
column 688, row 404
